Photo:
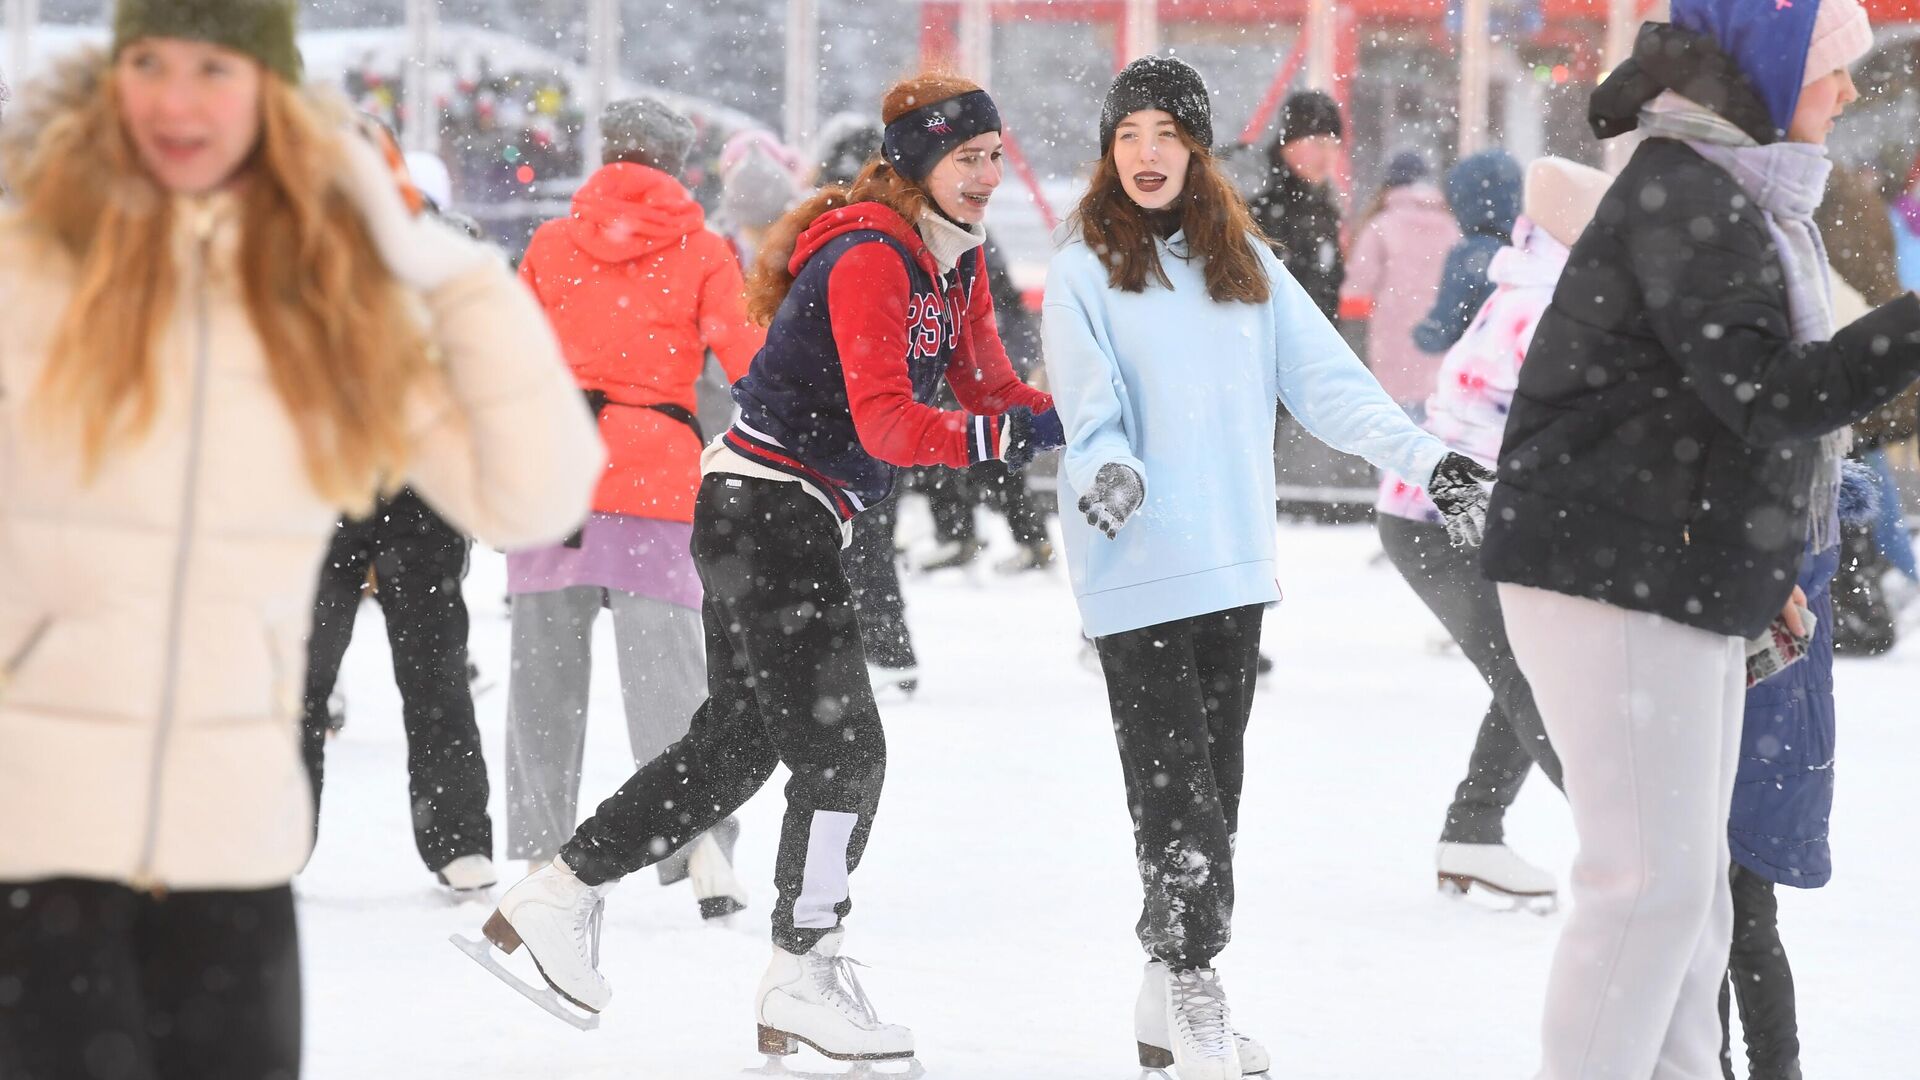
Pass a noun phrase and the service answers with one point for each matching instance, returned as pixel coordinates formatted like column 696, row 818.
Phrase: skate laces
column 1200, row 1012
column 587, row 914
column 833, row 977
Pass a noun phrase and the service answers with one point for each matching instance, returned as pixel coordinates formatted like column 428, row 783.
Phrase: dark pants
column 874, row 575
column 1762, row 983
column 1512, row 736
column 953, row 493
column 418, row 560
column 1180, row 693
column 98, row 982
column 786, row 683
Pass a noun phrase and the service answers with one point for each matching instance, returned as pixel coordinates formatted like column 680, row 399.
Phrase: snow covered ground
column 997, row 900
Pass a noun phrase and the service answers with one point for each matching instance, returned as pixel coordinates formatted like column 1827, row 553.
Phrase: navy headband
column 916, row 142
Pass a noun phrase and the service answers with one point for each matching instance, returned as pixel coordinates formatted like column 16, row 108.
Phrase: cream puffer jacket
column 153, row 621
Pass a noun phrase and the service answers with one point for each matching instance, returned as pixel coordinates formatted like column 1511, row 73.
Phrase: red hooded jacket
column 638, row 289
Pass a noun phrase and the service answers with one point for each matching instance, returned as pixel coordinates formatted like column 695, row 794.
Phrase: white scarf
column 947, row 241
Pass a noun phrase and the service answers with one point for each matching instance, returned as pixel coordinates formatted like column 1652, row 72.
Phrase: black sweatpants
column 874, row 573
column 98, row 982
column 1513, row 737
column 419, row 560
column 1180, row 693
column 1761, row 982
column 786, row 683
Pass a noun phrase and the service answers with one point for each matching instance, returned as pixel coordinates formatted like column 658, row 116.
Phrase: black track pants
column 419, row 560
column 1180, row 693
column 786, row 683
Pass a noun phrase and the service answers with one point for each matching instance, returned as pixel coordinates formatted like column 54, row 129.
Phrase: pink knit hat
column 1841, row 37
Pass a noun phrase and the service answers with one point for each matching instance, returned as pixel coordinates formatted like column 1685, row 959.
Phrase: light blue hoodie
column 1183, row 391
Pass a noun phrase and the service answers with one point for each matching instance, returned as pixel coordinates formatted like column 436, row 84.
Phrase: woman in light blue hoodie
column 1171, row 334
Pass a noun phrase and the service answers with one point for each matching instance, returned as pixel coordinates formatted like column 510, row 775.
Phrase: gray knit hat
column 262, row 29
column 646, row 131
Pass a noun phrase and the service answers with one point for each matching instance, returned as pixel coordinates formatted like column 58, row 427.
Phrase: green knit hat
column 263, row 29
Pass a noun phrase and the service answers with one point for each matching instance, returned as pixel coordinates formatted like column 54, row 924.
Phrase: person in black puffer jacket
column 1297, row 212
column 1665, row 466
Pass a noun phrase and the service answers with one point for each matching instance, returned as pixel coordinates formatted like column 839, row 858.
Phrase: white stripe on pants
column 1646, row 714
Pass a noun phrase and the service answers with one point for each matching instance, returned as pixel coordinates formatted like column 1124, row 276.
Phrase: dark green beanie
column 263, row 29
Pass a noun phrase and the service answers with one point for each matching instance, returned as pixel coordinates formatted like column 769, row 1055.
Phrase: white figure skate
column 557, row 917
column 816, row 999
column 1494, row 870
column 1200, row 1043
column 1150, row 1027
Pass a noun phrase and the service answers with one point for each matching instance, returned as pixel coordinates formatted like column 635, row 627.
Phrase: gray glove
column 1458, row 489
column 1116, row 493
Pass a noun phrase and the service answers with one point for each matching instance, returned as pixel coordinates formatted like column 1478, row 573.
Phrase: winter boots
column 557, row 917
column 1180, row 1022
column 814, row 999
column 1493, row 868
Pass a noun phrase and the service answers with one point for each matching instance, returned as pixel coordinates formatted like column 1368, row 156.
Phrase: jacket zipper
column 22, row 654
column 176, row 600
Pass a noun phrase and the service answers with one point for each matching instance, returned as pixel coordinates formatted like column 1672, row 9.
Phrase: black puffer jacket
column 1660, row 454
column 1303, row 224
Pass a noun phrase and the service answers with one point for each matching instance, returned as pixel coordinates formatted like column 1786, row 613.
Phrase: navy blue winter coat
column 1783, row 793
column 1484, row 194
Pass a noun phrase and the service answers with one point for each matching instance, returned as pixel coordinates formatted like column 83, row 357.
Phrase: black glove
column 1116, row 493
column 1458, row 488
column 1028, row 432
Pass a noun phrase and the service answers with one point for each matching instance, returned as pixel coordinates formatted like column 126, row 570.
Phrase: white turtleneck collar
column 948, row 241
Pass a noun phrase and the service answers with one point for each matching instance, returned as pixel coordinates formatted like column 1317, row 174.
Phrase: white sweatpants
column 1645, row 714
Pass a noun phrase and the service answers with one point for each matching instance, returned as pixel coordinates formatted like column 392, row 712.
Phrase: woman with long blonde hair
column 225, row 326
column 871, row 296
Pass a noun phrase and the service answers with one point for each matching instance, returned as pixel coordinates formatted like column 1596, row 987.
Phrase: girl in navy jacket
column 872, row 297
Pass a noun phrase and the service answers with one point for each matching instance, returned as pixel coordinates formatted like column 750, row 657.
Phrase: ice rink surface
column 997, row 900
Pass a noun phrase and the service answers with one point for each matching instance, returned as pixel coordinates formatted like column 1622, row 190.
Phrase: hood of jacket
column 1484, row 193
column 625, row 211
column 1666, row 57
column 859, row 217
column 1533, row 260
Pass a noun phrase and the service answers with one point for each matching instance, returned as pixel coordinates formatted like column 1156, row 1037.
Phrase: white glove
column 420, row 251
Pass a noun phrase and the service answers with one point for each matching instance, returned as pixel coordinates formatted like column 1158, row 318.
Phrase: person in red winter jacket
column 638, row 290
column 874, row 296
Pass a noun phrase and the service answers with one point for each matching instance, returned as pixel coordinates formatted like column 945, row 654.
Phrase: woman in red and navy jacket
column 871, row 297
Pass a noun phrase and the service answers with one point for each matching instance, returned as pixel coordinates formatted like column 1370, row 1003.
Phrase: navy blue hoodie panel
column 794, row 394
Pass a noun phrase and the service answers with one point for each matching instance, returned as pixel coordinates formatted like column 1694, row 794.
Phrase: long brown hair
column 878, row 182
column 1219, row 230
column 344, row 349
